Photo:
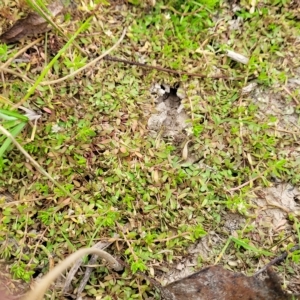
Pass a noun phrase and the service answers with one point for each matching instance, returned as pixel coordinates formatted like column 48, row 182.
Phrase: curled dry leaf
column 185, row 151
column 219, row 284
column 238, row 57
column 32, row 24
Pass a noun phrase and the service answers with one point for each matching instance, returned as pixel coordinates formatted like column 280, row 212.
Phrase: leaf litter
column 31, row 25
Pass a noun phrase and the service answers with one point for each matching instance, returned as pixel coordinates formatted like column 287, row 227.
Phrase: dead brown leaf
column 32, row 24
column 219, row 284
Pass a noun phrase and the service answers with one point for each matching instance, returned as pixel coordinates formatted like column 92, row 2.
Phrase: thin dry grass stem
column 27, row 200
column 55, row 10
column 106, row 239
column 172, row 237
column 43, row 285
column 296, row 125
column 89, row 64
column 127, row 242
column 3, row 82
column 244, row 184
column 9, row 61
column 285, row 131
column 191, row 108
column 49, row 255
column 6, row 70
column 293, row 97
column 37, row 245
column 34, row 127
column 241, row 133
column 182, row 14
column 35, row 163
column 22, row 242
column 5, row 100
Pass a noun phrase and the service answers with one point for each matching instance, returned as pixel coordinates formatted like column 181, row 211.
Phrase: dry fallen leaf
column 219, row 284
column 32, row 24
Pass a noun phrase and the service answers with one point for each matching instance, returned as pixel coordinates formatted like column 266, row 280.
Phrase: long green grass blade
column 12, row 115
column 14, row 132
column 249, row 247
column 51, row 63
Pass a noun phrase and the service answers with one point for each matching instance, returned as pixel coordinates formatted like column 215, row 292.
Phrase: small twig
column 27, row 200
column 277, row 260
column 295, row 124
column 35, row 163
column 87, row 65
column 142, row 65
column 244, row 184
column 269, row 203
column 8, row 62
column 6, row 70
column 285, row 131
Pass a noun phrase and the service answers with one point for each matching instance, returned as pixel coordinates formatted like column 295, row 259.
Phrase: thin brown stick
column 277, row 260
column 134, row 63
column 87, row 65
